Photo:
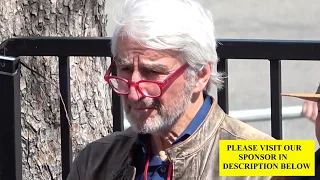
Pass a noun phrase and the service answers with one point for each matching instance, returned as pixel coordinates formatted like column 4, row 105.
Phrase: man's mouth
column 141, row 109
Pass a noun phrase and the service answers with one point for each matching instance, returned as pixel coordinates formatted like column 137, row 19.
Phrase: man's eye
column 154, row 72
column 125, row 69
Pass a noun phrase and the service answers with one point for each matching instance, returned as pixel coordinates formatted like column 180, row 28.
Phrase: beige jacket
column 196, row 158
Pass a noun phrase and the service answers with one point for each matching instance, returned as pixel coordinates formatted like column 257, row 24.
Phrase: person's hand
column 310, row 110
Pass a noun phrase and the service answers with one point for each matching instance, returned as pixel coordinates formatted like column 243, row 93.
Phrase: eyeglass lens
column 147, row 88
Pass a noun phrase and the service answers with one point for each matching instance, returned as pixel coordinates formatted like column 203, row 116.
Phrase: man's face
column 150, row 115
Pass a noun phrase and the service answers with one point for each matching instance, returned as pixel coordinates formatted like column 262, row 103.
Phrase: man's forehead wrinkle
column 157, row 54
column 146, row 55
column 146, row 52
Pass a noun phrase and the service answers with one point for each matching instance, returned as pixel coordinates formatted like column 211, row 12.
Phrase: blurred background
column 249, row 87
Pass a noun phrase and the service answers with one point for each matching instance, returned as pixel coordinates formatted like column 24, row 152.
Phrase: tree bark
column 90, row 97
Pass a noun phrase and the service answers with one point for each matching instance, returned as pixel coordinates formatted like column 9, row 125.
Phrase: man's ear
column 203, row 78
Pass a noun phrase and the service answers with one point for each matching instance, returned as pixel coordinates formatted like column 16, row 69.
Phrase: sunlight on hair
column 179, row 25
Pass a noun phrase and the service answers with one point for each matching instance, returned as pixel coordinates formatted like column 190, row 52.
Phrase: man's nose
column 134, row 94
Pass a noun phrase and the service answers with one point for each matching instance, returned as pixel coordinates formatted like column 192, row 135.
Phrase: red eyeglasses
column 147, row 88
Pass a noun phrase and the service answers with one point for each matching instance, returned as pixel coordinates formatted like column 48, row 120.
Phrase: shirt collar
column 197, row 120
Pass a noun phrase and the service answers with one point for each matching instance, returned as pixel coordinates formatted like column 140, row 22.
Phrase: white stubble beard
column 166, row 116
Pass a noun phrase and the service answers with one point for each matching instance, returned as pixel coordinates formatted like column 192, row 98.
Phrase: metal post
column 66, row 145
column 10, row 119
column 276, row 100
column 223, row 94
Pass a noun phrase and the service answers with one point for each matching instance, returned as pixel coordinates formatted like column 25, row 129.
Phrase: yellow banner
column 267, row 158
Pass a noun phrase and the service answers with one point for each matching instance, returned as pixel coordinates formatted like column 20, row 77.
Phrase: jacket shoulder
column 113, row 140
column 115, row 137
column 104, row 156
column 232, row 128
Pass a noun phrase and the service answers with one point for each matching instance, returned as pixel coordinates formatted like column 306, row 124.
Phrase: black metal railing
column 64, row 47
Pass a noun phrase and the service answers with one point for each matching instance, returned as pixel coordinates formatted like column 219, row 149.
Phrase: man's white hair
column 180, row 25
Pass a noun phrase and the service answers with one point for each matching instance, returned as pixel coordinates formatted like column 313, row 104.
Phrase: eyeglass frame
column 162, row 84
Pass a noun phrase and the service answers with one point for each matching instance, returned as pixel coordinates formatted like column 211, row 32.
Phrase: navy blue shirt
column 158, row 170
column 317, row 169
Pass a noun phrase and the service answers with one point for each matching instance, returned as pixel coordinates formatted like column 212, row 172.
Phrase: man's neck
column 164, row 140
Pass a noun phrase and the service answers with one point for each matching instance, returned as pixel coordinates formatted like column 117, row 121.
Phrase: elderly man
column 311, row 98
column 165, row 57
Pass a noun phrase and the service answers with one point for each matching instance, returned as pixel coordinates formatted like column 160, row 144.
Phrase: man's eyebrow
column 152, row 66
column 123, row 62
column 155, row 67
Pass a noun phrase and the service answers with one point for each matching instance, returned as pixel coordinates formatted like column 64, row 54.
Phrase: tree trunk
column 90, row 97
